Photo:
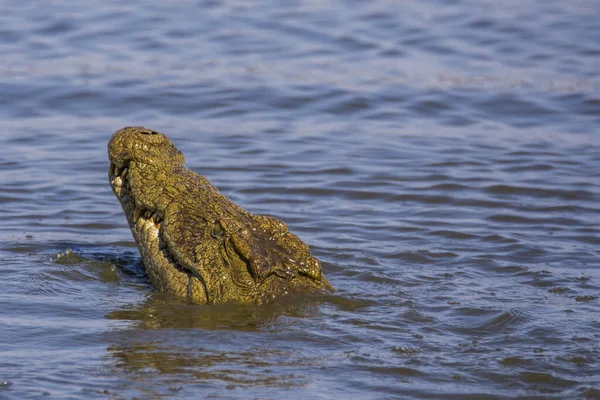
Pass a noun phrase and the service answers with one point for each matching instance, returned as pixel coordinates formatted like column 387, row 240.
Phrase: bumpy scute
column 195, row 241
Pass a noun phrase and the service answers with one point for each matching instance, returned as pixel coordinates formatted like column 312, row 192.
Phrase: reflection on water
column 150, row 361
column 231, row 347
column 164, row 311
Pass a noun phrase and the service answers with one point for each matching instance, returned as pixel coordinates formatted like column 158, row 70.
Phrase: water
column 441, row 159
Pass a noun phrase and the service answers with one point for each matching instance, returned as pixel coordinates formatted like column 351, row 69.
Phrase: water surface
column 440, row 158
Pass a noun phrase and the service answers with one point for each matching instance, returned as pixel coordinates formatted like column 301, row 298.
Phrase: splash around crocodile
column 194, row 241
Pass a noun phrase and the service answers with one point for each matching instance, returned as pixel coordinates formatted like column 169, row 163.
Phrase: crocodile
column 194, row 241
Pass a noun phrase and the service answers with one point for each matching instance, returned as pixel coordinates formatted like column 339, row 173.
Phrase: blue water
column 440, row 158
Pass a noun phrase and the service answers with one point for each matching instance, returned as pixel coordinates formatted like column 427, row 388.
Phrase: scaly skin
column 194, row 241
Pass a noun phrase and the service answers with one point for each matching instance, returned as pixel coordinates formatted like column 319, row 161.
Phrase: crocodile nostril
column 149, row 133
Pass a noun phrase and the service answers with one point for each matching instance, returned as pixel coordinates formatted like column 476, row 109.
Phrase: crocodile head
column 196, row 242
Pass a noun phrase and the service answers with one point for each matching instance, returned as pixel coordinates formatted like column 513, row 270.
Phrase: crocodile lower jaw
column 165, row 273
column 122, row 188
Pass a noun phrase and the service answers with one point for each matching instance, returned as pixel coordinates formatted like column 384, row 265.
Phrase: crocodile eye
column 218, row 230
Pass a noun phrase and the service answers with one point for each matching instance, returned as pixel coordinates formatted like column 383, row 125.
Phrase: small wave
column 480, row 320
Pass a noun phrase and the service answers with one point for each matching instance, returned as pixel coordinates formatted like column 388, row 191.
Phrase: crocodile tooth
column 148, row 214
column 124, row 173
column 137, row 213
column 158, row 225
